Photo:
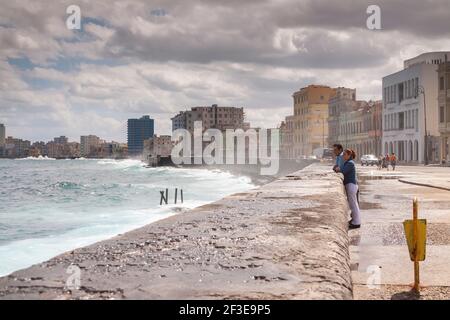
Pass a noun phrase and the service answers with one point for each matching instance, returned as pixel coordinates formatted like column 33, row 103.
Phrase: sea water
column 51, row 206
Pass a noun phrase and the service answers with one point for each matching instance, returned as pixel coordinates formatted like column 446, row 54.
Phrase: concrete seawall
column 285, row 240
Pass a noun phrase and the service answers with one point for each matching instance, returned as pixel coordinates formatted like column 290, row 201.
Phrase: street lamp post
column 421, row 90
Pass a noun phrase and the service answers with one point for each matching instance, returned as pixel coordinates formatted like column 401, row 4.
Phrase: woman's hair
column 351, row 152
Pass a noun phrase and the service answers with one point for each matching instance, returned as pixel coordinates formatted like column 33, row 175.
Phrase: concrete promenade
column 386, row 200
column 285, row 240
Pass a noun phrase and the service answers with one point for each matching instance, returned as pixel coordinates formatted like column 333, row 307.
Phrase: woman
column 351, row 187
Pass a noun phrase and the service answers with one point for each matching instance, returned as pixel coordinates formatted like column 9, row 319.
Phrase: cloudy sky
column 159, row 57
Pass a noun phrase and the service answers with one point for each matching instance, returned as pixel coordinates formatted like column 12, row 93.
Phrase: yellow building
column 311, row 119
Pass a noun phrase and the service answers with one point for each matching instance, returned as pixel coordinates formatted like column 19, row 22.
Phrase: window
column 441, row 114
column 401, row 120
column 417, row 120
column 441, row 83
column 448, row 113
column 400, row 92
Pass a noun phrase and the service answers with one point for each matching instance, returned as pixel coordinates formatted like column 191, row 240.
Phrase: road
column 378, row 250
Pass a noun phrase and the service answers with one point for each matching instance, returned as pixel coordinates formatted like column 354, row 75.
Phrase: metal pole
column 426, row 131
column 415, row 235
column 421, row 90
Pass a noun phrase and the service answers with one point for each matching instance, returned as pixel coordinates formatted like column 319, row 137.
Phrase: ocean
column 51, row 206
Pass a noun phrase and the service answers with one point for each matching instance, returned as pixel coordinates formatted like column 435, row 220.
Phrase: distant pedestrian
column 351, row 186
column 386, row 161
column 338, row 151
column 393, row 161
column 380, row 162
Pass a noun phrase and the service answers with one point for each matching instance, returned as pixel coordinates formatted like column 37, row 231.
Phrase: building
column 343, row 101
column 410, row 104
column 61, row 140
column 89, row 145
column 360, row 129
column 138, row 131
column 61, row 148
column 16, row 148
column 39, row 149
column 444, row 109
column 311, row 119
column 55, row 150
column 2, row 134
column 215, row 116
column 374, row 123
column 156, row 148
column 179, row 121
column 287, row 138
column 113, row 150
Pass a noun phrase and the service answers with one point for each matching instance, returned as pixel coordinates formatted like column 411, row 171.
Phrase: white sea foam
column 122, row 164
column 36, row 158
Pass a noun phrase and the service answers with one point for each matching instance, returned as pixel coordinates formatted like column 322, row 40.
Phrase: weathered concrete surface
column 285, row 240
column 385, row 203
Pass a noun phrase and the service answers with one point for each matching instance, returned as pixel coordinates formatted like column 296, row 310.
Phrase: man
column 393, row 159
column 338, row 151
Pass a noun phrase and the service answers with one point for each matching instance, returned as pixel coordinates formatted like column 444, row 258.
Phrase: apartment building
column 311, row 119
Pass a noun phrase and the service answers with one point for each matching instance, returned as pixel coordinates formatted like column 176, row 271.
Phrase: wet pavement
column 381, row 268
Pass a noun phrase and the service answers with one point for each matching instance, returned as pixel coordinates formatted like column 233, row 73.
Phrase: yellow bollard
column 416, row 237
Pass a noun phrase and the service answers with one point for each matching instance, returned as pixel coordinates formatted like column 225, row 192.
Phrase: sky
column 132, row 58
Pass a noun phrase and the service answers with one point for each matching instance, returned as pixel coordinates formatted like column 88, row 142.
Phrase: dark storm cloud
column 429, row 18
column 208, row 31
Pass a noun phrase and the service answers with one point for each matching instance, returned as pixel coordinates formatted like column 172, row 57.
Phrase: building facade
column 311, row 119
column 343, row 101
column 157, row 147
column 360, row 129
column 89, row 145
column 16, row 148
column 61, row 140
column 138, row 131
column 179, row 121
column 374, row 124
column 287, row 138
column 2, row 134
column 410, row 104
column 215, row 116
column 444, row 109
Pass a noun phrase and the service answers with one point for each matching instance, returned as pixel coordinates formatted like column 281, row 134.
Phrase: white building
column 403, row 109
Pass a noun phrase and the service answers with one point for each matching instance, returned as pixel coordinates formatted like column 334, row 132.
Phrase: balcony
column 444, row 127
